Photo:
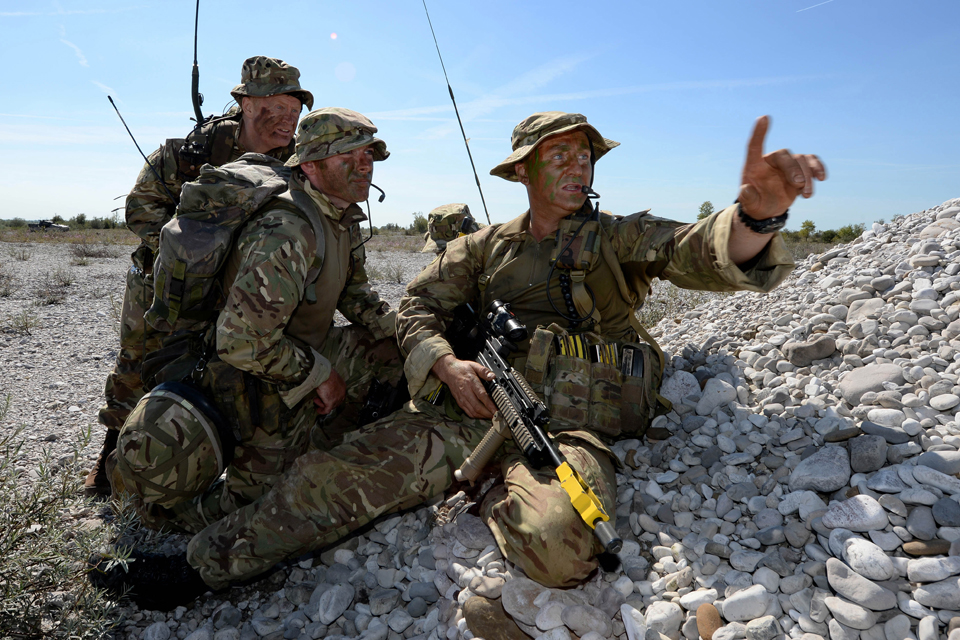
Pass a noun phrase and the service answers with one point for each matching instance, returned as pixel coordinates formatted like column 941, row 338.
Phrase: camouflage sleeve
column 275, row 253
column 696, row 256
column 427, row 308
column 358, row 302
column 148, row 205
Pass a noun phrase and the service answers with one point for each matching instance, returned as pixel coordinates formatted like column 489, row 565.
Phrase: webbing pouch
column 641, row 375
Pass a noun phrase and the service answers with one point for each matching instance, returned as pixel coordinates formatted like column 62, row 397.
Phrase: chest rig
column 576, row 252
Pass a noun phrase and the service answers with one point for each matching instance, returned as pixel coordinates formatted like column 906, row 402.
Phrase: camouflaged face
column 262, row 76
column 446, row 223
column 532, row 131
column 332, row 130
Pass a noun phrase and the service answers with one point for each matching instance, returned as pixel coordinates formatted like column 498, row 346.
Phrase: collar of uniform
column 516, row 229
column 344, row 218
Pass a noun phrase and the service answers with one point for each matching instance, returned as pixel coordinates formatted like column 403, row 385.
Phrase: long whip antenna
column 195, row 95
column 455, row 110
column 149, row 164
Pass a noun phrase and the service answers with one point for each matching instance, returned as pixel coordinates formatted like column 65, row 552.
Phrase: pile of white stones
column 809, row 488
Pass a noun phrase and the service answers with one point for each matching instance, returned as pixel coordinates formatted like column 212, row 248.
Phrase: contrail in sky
column 815, row 6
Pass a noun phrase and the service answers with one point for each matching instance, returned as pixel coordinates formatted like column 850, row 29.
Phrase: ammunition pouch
column 585, row 383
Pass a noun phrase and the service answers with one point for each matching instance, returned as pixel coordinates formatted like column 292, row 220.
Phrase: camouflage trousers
column 270, row 435
column 124, row 388
column 397, row 463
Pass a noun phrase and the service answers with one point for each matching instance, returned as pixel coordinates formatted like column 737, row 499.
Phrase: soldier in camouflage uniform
column 269, row 100
column 445, row 223
column 411, row 456
column 279, row 359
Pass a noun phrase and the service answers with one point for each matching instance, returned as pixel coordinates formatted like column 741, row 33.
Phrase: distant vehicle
column 43, row 225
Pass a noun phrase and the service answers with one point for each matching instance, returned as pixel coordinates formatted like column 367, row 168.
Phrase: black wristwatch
column 770, row 225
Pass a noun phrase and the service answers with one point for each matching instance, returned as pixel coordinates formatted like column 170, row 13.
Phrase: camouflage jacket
column 275, row 320
column 149, row 206
column 505, row 262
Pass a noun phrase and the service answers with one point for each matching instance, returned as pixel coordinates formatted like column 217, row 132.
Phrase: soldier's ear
column 521, row 169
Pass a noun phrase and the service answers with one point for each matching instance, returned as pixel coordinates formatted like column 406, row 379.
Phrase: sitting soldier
column 576, row 275
column 445, row 223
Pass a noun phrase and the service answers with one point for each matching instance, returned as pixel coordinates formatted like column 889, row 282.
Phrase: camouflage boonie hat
column 445, row 223
column 261, row 77
column 173, row 446
column 332, row 130
column 532, row 131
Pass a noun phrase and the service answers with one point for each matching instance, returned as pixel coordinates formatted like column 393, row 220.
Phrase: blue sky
column 869, row 85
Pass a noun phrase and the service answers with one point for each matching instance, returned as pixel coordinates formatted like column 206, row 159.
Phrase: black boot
column 153, row 581
column 96, row 483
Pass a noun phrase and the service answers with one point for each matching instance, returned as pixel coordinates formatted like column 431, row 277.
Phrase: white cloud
column 81, row 58
column 107, row 90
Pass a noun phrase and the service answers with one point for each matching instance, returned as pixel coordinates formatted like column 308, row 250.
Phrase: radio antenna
column 149, row 164
column 455, row 110
column 195, row 94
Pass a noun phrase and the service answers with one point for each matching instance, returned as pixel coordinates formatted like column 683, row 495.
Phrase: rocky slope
column 809, row 489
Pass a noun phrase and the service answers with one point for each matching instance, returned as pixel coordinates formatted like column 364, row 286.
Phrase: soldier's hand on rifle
column 770, row 183
column 330, row 394
column 465, row 381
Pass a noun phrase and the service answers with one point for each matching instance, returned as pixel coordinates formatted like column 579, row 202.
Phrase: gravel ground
column 54, row 374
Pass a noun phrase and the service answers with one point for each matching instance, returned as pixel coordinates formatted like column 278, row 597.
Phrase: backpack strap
column 298, row 202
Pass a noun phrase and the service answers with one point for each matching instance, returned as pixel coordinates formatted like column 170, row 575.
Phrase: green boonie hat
column 173, row 446
column 445, row 223
column 332, row 130
column 261, row 77
column 531, row 132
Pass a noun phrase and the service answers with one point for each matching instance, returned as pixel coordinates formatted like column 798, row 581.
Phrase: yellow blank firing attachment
column 584, row 500
column 588, row 506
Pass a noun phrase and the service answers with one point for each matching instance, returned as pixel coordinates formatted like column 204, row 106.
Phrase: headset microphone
column 590, row 193
column 382, row 194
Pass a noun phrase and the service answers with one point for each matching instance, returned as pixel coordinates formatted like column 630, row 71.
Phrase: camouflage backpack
column 195, row 244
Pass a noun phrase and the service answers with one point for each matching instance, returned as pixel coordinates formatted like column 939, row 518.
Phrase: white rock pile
column 810, row 488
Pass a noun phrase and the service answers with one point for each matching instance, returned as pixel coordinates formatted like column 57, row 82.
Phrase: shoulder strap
column 610, row 257
column 297, row 202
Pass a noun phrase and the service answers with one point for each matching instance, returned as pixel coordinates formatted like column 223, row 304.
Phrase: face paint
column 346, row 177
column 270, row 122
column 556, row 170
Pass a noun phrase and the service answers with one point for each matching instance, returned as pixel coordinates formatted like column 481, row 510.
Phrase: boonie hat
column 261, row 77
column 332, row 130
column 532, row 131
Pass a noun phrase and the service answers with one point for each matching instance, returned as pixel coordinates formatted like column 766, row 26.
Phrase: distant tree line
column 79, row 221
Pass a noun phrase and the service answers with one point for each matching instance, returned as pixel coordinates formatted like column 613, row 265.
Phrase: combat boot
column 151, row 580
column 97, row 484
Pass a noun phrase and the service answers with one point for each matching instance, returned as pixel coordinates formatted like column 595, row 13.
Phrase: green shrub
column 44, row 543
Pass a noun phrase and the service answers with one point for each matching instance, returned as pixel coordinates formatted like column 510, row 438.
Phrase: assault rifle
column 489, row 340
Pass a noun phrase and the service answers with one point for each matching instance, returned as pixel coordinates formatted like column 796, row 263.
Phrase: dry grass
column 22, row 323
column 21, row 253
column 77, row 236
column 52, row 289
column 84, row 250
column 8, row 282
column 804, row 248
column 409, row 244
column 669, row 301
